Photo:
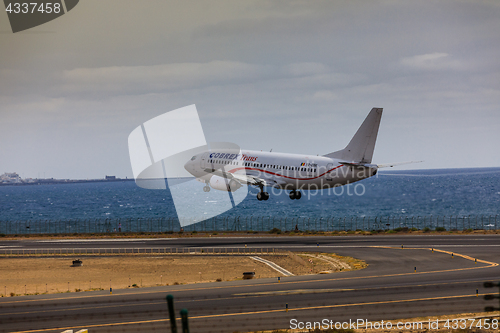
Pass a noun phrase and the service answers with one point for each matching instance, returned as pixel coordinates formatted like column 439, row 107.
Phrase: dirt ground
column 55, row 275
column 21, row 276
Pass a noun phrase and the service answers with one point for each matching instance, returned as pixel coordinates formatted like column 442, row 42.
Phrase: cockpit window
column 193, row 158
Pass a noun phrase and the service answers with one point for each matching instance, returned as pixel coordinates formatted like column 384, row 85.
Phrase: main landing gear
column 295, row 195
column 206, row 188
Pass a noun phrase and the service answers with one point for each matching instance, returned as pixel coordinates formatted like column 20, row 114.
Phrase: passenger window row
column 265, row 166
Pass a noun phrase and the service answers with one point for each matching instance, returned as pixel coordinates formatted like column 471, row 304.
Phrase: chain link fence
column 250, row 223
column 144, row 251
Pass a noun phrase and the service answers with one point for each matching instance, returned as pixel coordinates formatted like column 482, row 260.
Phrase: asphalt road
column 388, row 289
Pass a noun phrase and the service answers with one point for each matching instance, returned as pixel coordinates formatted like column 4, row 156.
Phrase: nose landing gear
column 206, row 188
column 262, row 195
column 295, row 195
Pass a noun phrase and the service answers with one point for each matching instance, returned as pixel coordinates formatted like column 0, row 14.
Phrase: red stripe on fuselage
column 272, row 173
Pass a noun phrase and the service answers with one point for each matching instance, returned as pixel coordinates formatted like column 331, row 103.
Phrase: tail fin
column 360, row 149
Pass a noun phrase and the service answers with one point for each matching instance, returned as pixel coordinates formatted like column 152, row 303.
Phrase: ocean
column 390, row 196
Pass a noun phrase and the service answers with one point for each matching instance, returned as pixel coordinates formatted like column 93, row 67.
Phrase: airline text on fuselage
column 244, row 157
column 248, row 158
column 224, row 156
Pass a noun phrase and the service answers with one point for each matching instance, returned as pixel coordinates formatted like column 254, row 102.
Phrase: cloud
column 431, row 61
column 122, row 80
column 305, row 69
column 276, row 67
column 325, row 95
column 150, row 79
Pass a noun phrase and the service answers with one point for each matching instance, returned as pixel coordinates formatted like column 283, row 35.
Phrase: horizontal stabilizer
column 390, row 165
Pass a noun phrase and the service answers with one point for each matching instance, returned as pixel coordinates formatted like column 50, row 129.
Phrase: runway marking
column 293, row 292
column 312, row 291
column 251, row 313
column 339, row 306
column 81, row 308
column 255, row 295
column 93, row 326
column 490, row 265
column 274, row 266
column 103, row 240
column 350, row 246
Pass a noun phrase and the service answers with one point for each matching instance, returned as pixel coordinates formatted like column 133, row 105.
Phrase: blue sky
column 292, row 76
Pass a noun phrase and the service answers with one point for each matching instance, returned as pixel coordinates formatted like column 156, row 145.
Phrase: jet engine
column 224, row 184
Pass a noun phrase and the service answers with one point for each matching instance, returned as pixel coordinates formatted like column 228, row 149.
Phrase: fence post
column 171, row 313
column 184, row 318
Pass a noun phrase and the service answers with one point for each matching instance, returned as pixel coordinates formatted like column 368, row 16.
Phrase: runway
column 388, row 289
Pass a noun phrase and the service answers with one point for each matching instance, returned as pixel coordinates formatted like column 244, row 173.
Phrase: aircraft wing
column 390, row 165
column 368, row 165
column 242, row 179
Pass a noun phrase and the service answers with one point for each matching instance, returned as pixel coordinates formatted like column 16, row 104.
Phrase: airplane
column 228, row 170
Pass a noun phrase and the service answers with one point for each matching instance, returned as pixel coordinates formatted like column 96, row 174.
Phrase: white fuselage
column 281, row 170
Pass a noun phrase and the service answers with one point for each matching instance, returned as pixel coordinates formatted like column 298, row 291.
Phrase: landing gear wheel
column 206, row 188
column 295, row 195
column 262, row 196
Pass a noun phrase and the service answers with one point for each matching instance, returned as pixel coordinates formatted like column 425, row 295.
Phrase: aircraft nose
column 187, row 166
